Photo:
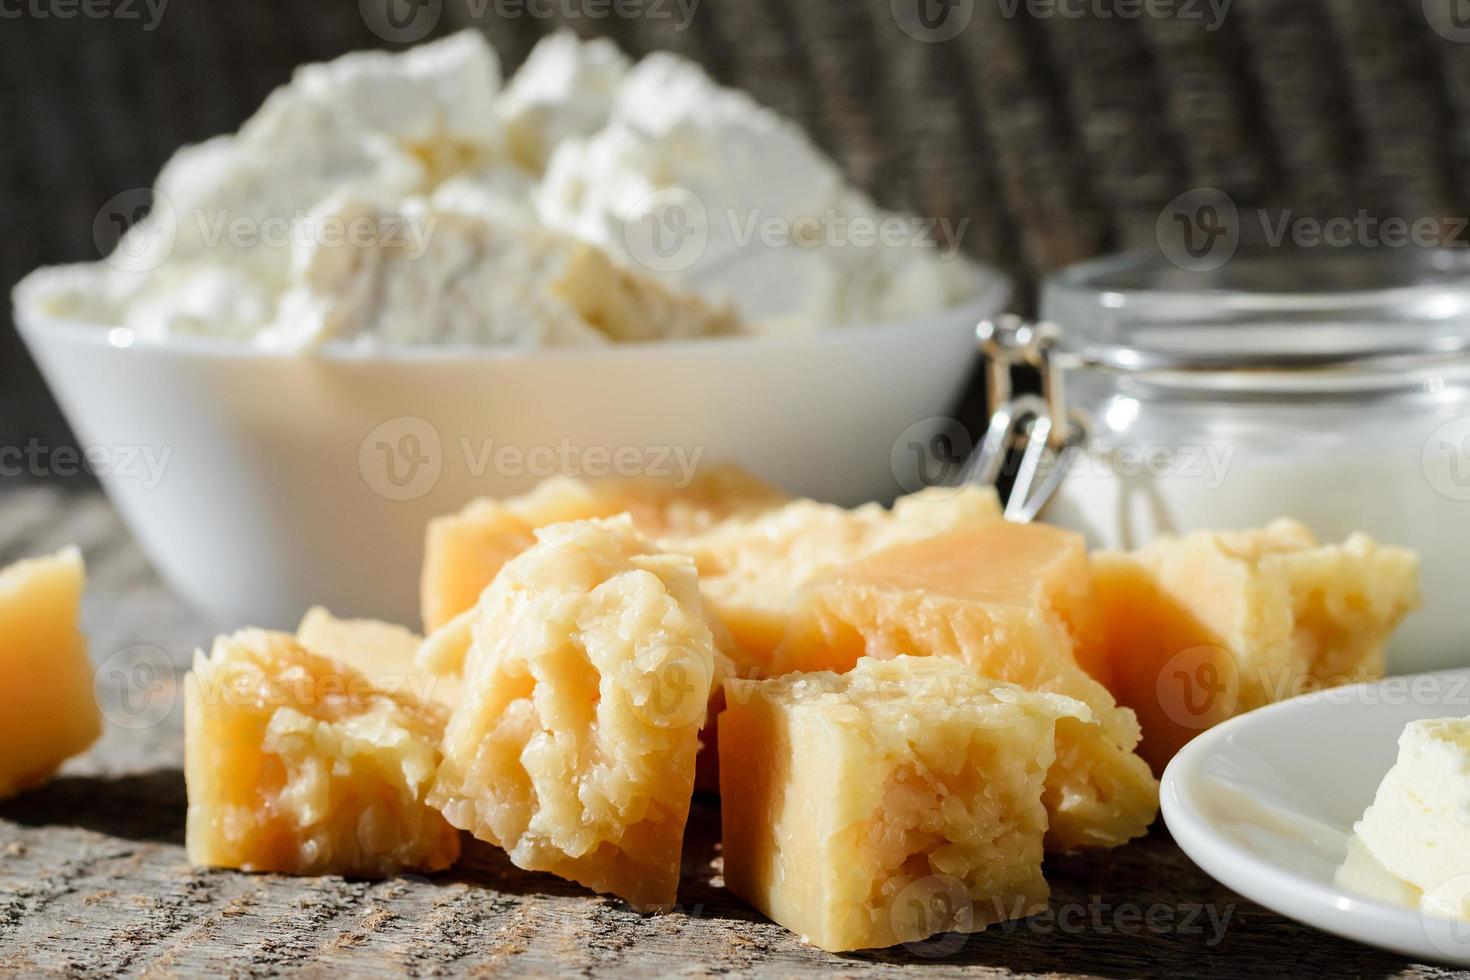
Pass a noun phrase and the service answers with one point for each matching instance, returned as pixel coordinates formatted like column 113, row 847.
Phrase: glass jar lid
column 1276, row 319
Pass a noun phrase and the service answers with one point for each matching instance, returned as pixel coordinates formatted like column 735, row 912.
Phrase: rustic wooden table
column 93, row 878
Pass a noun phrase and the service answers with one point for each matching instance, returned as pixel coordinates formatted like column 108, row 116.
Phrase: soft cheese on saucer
column 1419, row 824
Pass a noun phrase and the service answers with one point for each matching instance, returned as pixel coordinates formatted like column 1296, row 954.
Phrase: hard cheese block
column 299, row 764
column 1418, row 826
column 1208, row 625
column 386, row 652
column 752, row 569
column 585, row 687
column 1009, row 599
column 463, row 551
column 887, row 804
column 47, row 709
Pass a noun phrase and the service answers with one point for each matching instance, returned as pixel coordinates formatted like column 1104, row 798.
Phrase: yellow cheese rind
column 463, row 551
column 48, row 712
column 299, row 764
column 586, row 683
column 1208, row 625
column 1003, row 598
column 887, row 804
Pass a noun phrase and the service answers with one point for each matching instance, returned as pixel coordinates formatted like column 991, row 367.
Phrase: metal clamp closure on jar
column 1041, row 428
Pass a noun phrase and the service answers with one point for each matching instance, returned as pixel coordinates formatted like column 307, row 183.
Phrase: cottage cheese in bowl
column 407, row 282
column 419, row 198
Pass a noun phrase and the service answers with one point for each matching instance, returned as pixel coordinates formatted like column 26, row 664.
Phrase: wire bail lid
column 1041, row 428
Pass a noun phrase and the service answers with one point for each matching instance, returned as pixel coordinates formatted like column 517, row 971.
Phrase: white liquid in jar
column 1401, row 486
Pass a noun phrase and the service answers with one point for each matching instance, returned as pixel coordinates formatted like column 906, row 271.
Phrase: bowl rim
column 994, row 291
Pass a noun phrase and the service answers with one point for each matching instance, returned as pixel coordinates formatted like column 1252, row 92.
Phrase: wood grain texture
column 94, row 880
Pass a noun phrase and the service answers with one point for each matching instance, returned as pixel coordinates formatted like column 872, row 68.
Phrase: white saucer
column 1266, row 803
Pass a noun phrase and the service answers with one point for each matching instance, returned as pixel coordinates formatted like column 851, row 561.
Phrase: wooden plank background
column 94, row 880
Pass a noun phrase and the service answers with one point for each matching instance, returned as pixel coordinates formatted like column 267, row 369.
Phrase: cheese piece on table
column 1418, row 826
column 585, row 687
column 464, row 550
column 751, row 570
column 1006, row 598
column 47, row 709
column 299, row 764
column 887, row 804
column 1211, row 624
column 386, row 652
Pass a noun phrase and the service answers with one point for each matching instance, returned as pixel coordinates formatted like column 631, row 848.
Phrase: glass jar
column 1327, row 385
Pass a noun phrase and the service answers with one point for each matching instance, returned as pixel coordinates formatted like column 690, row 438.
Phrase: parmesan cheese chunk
column 887, row 804
column 47, row 709
column 299, row 764
column 585, row 687
column 1014, row 601
column 1212, row 624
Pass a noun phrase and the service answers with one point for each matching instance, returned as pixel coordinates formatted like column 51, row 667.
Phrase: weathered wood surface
column 93, row 878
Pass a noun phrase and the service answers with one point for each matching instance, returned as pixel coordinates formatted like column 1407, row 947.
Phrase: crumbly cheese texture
column 774, row 226
column 385, row 652
column 642, row 163
column 884, row 805
column 1418, row 826
column 463, row 551
column 752, row 568
column 303, row 765
column 1208, row 625
column 48, row 712
column 435, row 275
column 585, row 689
column 1012, row 601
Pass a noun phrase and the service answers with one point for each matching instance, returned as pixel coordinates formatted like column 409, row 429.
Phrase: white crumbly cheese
column 203, row 300
column 565, row 90
column 429, row 275
column 1419, row 824
column 673, row 178
column 701, row 184
column 498, row 193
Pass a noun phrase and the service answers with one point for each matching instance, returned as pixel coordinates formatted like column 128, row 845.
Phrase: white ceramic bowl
column 295, row 480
